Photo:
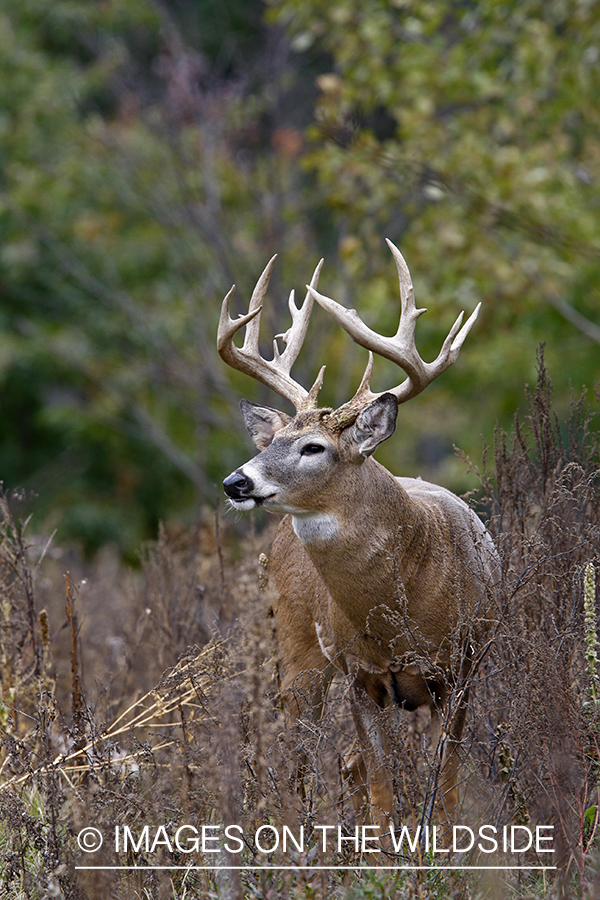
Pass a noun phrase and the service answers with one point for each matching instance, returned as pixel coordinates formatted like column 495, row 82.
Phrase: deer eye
column 312, row 449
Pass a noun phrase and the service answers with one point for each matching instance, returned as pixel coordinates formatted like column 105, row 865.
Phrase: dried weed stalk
column 535, row 714
column 152, row 698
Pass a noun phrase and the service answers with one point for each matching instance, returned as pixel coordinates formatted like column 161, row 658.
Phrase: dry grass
column 150, row 698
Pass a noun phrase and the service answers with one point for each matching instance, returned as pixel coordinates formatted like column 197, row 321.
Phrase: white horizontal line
column 332, row 868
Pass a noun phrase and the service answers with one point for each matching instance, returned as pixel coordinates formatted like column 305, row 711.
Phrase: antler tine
column 401, row 348
column 456, row 340
column 250, row 344
column 452, row 344
column 247, row 359
column 408, row 310
column 235, row 356
column 293, row 338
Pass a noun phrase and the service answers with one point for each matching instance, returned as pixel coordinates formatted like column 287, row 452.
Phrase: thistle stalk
column 591, row 636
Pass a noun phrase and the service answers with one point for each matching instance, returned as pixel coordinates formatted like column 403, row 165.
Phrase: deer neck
column 359, row 549
column 354, row 537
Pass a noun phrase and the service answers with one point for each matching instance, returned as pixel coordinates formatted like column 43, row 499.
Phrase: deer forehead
column 309, row 421
column 304, row 427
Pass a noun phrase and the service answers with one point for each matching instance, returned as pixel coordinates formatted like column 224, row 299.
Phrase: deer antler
column 275, row 373
column 400, row 349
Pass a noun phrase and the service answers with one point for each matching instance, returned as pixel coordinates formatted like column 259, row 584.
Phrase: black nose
column 237, row 485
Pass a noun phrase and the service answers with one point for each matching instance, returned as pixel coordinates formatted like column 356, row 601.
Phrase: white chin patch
column 243, row 504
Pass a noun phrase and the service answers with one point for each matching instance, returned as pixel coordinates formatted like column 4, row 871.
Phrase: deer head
column 311, row 441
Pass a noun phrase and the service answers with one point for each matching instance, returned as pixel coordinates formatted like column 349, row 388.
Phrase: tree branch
column 588, row 328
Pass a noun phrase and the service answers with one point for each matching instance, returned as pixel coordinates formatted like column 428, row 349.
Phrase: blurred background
column 154, row 153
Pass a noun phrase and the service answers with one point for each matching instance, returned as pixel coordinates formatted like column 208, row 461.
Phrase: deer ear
column 375, row 424
column 262, row 422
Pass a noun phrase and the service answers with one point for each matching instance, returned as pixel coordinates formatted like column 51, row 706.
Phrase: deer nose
column 237, row 485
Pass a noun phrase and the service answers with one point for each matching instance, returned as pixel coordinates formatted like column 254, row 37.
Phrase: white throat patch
column 315, row 527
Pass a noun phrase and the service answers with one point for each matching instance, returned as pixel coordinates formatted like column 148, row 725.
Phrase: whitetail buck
column 384, row 578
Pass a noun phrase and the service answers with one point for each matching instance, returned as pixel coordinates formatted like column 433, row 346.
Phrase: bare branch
column 583, row 324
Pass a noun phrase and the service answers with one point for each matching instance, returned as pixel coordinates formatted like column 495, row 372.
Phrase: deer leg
column 375, row 759
column 355, row 775
column 445, row 746
column 303, row 695
column 306, row 675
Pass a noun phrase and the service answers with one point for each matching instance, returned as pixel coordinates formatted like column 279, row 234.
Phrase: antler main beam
column 401, row 348
column 247, row 359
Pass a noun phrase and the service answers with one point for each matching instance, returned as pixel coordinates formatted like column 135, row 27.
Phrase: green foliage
column 469, row 135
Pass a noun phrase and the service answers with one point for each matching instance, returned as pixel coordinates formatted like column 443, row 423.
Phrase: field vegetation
column 133, row 699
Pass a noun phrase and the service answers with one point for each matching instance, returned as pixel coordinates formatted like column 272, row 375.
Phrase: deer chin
column 256, row 502
column 242, row 505
column 247, row 503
